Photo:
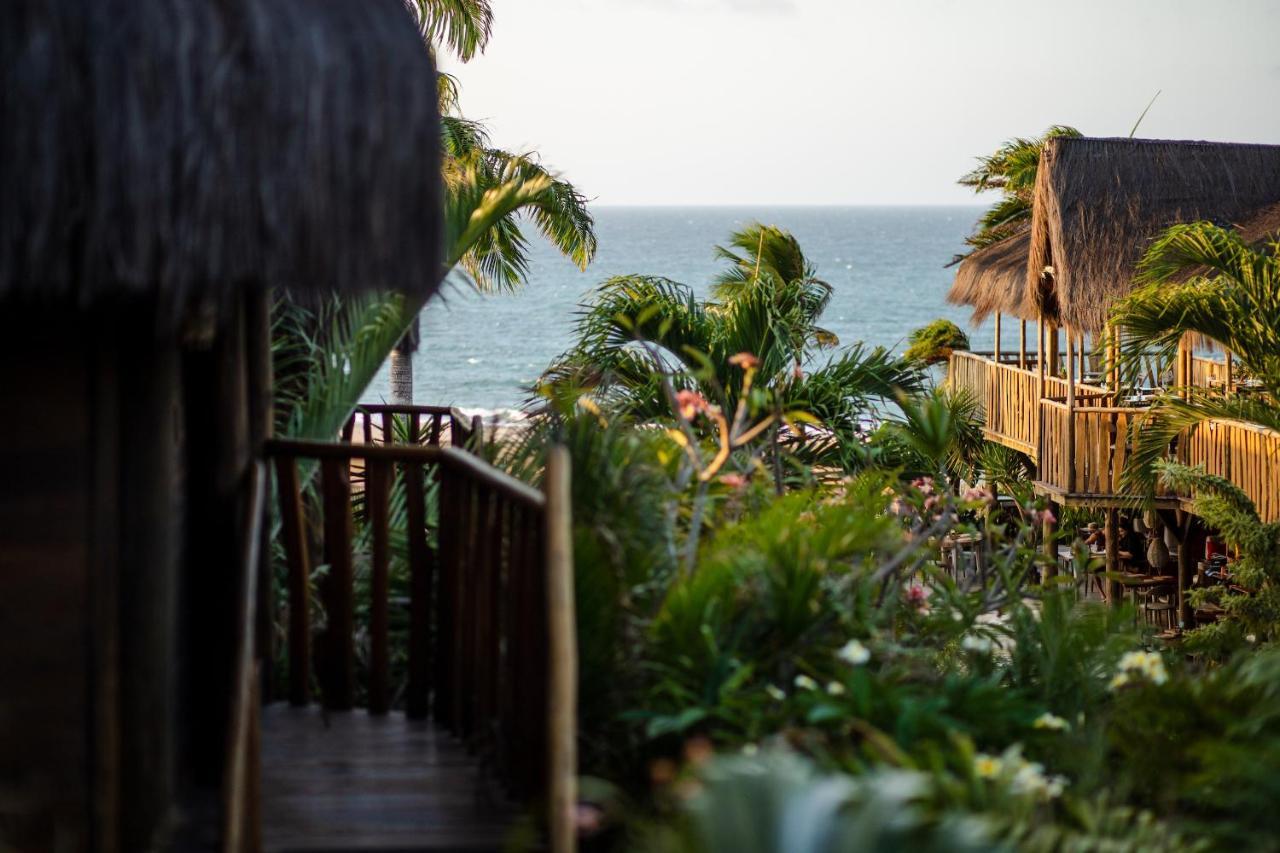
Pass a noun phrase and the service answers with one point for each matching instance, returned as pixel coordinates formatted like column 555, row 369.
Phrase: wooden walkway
column 372, row 783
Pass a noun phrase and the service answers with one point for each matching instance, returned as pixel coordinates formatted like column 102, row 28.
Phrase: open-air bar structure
column 1055, row 397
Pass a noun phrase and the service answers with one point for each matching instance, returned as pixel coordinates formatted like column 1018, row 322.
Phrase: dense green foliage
column 934, row 343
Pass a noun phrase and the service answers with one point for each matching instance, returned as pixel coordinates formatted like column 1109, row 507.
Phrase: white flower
column 835, row 688
column 804, row 682
column 1051, row 722
column 775, row 692
column 1140, row 665
column 1251, row 638
column 987, row 766
column 976, row 644
column 854, row 653
column 1029, row 778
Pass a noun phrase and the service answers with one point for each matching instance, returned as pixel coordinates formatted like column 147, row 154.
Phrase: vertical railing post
column 1071, row 412
column 563, row 694
column 339, row 658
column 446, row 623
column 378, row 476
column 295, row 550
column 420, row 582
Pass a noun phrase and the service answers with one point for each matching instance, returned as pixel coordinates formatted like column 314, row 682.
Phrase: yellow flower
column 1051, row 722
column 987, row 766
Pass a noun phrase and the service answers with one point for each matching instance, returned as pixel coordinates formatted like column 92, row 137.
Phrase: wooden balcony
column 1080, row 453
column 426, row 700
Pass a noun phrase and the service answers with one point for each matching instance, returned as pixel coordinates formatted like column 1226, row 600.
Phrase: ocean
column 885, row 264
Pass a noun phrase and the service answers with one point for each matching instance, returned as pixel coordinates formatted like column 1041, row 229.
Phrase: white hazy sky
column 851, row 101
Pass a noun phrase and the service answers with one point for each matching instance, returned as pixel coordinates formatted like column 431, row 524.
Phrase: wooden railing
column 241, row 824
column 408, row 424
column 967, row 371
column 478, row 625
column 1102, row 444
column 1208, row 373
column 1246, row 454
column 1012, row 395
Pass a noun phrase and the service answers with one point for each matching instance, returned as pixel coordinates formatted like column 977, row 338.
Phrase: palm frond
column 464, row 26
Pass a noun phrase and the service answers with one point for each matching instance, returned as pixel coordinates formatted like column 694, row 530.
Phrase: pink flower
column 733, row 481
column 924, row 484
column 745, row 360
column 918, row 597
column 690, row 403
column 797, row 374
column 975, row 495
column 931, row 502
column 588, row 818
column 1042, row 516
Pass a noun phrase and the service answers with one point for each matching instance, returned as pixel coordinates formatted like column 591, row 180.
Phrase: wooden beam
column 1022, row 344
column 997, row 341
column 563, row 704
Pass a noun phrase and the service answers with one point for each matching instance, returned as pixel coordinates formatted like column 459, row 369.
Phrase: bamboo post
column 1186, row 568
column 1053, row 349
column 1022, row 344
column 563, row 704
column 1084, row 367
column 1071, row 412
column 1229, row 379
column 997, row 341
column 1113, row 362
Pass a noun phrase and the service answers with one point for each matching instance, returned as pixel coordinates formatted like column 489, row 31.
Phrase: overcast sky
column 850, row 101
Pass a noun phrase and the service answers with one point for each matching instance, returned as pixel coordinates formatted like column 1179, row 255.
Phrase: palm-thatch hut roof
column 184, row 150
column 1099, row 203
column 994, row 278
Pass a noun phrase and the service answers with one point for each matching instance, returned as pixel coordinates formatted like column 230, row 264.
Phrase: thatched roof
column 994, row 278
column 190, row 148
column 1099, row 203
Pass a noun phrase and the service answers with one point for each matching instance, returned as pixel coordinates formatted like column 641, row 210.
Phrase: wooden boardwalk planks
column 372, row 782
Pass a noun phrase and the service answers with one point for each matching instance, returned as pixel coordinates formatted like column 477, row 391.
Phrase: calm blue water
column 885, row 264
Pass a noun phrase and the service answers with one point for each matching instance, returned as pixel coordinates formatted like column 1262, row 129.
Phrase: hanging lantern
column 1157, row 553
column 1151, row 520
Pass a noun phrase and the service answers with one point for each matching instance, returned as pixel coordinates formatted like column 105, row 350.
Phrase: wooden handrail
column 490, row 604
column 240, row 829
column 448, row 456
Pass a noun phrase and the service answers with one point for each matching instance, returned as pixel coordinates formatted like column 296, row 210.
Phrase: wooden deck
column 362, row 782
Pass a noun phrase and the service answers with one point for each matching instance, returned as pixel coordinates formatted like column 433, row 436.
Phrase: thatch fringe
column 180, row 149
column 994, row 278
column 1100, row 202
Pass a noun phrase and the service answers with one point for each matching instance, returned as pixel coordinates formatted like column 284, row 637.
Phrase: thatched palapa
column 1100, row 202
column 182, row 150
column 993, row 279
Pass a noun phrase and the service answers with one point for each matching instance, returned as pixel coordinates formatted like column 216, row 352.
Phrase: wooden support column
column 997, row 341
column 1053, row 349
column 1022, row 344
column 1229, row 379
column 1071, row 412
column 1113, row 362
column 1186, row 568
column 1084, row 367
column 562, row 714
column 1112, row 532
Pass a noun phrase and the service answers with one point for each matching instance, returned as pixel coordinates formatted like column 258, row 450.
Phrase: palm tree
column 1012, row 171
column 644, row 336
column 327, row 357
column 1202, row 279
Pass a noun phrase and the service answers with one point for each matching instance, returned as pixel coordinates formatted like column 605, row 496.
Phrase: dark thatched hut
column 1100, row 202
column 993, row 280
column 165, row 164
